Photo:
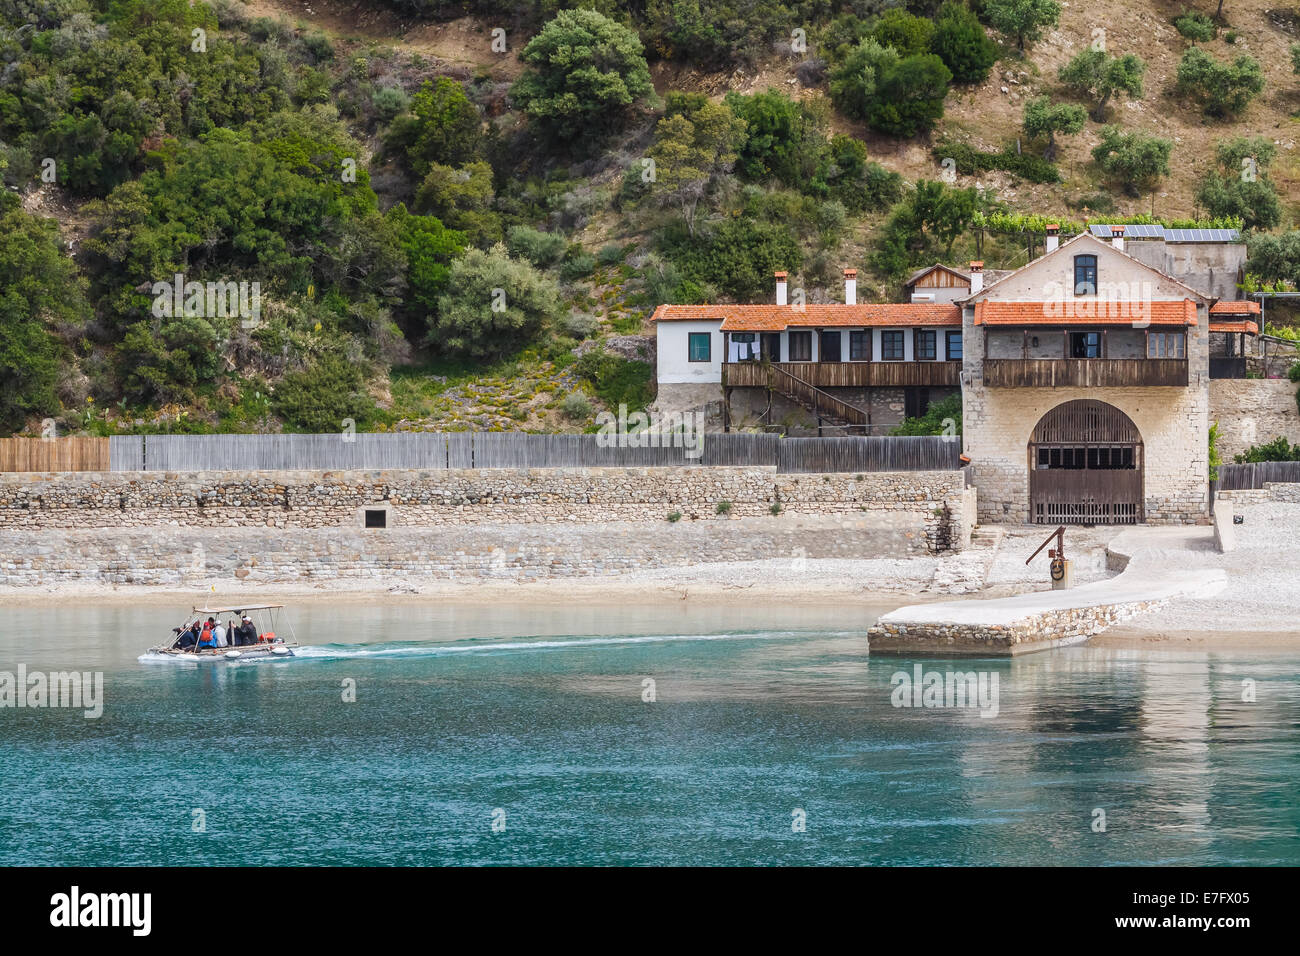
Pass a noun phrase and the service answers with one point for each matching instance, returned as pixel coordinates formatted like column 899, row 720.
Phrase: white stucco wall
column 673, row 342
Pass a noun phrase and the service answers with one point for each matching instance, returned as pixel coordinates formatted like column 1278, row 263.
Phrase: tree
column 1022, row 19
column 493, row 306
column 443, row 126
column 1135, row 160
column 462, row 199
column 691, row 152
column 960, row 41
column 1222, row 89
column 902, row 96
column 1240, row 187
column 1275, row 258
column 932, row 213
column 430, row 247
column 1045, row 119
column 907, row 34
column 40, row 292
column 1097, row 76
column 584, row 72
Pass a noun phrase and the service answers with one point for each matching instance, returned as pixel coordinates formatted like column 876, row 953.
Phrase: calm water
column 539, row 713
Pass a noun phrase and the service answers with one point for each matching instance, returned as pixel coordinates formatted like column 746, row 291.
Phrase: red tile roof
column 1227, row 325
column 776, row 318
column 1084, row 311
column 1235, row 308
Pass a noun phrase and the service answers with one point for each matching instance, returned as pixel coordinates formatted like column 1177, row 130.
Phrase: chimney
column 1053, row 239
column 850, row 286
column 1117, row 237
column 780, row 288
column 976, row 277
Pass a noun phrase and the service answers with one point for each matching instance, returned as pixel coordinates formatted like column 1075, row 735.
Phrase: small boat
column 255, row 625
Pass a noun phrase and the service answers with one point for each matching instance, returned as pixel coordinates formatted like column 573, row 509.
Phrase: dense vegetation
column 360, row 232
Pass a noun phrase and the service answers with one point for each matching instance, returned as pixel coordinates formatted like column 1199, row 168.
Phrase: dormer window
column 1085, row 275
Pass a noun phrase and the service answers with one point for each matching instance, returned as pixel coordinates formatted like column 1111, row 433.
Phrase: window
column 376, row 518
column 954, row 345
column 744, row 347
column 1085, row 345
column 772, row 346
column 1167, row 345
column 800, row 346
column 701, row 347
column 1085, row 275
column 859, row 346
column 891, row 346
column 927, row 344
column 830, row 347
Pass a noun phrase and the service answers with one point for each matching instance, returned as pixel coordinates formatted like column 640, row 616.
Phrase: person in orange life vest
column 206, row 639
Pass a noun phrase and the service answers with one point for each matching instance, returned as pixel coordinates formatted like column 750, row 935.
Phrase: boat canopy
column 235, row 610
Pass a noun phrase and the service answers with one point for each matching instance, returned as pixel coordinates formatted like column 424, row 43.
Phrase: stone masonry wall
column 931, row 504
column 1253, row 411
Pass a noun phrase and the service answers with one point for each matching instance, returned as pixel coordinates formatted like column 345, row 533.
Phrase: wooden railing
column 848, row 374
column 1083, row 373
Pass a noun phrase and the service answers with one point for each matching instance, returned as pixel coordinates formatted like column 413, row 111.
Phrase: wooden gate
column 1085, row 466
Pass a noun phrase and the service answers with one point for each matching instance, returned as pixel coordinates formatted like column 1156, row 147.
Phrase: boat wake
column 490, row 646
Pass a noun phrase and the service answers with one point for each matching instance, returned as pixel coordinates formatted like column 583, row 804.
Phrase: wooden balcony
column 846, row 374
column 1083, row 373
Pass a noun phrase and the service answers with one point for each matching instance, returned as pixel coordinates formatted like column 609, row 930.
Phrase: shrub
column 616, row 380
column 723, row 508
column 584, row 71
column 319, row 397
column 494, row 305
column 542, row 249
column 901, row 96
column 1196, row 27
column 1222, row 89
column 577, row 267
column 776, row 508
column 674, row 516
column 576, row 406
column 1293, row 373
column 1279, row 449
column 609, row 255
column 579, row 325
column 969, row 161
column 738, row 258
column 389, row 101
column 960, row 41
column 941, row 418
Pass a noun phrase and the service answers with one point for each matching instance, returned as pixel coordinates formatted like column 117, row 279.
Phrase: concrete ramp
column 1040, row 620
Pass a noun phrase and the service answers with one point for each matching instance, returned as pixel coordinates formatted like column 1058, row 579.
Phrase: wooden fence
column 1245, row 477
column 54, row 454
column 431, row 450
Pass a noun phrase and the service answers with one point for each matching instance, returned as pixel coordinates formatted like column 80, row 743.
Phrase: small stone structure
column 1253, row 411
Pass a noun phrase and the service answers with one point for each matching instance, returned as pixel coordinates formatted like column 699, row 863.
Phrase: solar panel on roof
column 1202, row 235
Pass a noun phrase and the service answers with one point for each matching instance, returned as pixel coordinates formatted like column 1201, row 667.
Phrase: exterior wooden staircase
column 822, row 404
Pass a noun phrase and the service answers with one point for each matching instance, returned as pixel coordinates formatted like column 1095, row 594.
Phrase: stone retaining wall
column 1287, row 492
column 197, row 557
column 1253, row 411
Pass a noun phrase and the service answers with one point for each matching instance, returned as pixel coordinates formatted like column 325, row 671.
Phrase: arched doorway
column 1085, row 466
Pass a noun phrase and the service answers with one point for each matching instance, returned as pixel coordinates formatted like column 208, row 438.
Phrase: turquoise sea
column 522, row 735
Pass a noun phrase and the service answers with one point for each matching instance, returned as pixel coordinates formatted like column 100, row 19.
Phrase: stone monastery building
column 1085, row 375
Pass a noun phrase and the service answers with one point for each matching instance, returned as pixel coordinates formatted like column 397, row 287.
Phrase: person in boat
column 188, row 638
column 206, row 639
column 247, row 631
column 219, row 634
